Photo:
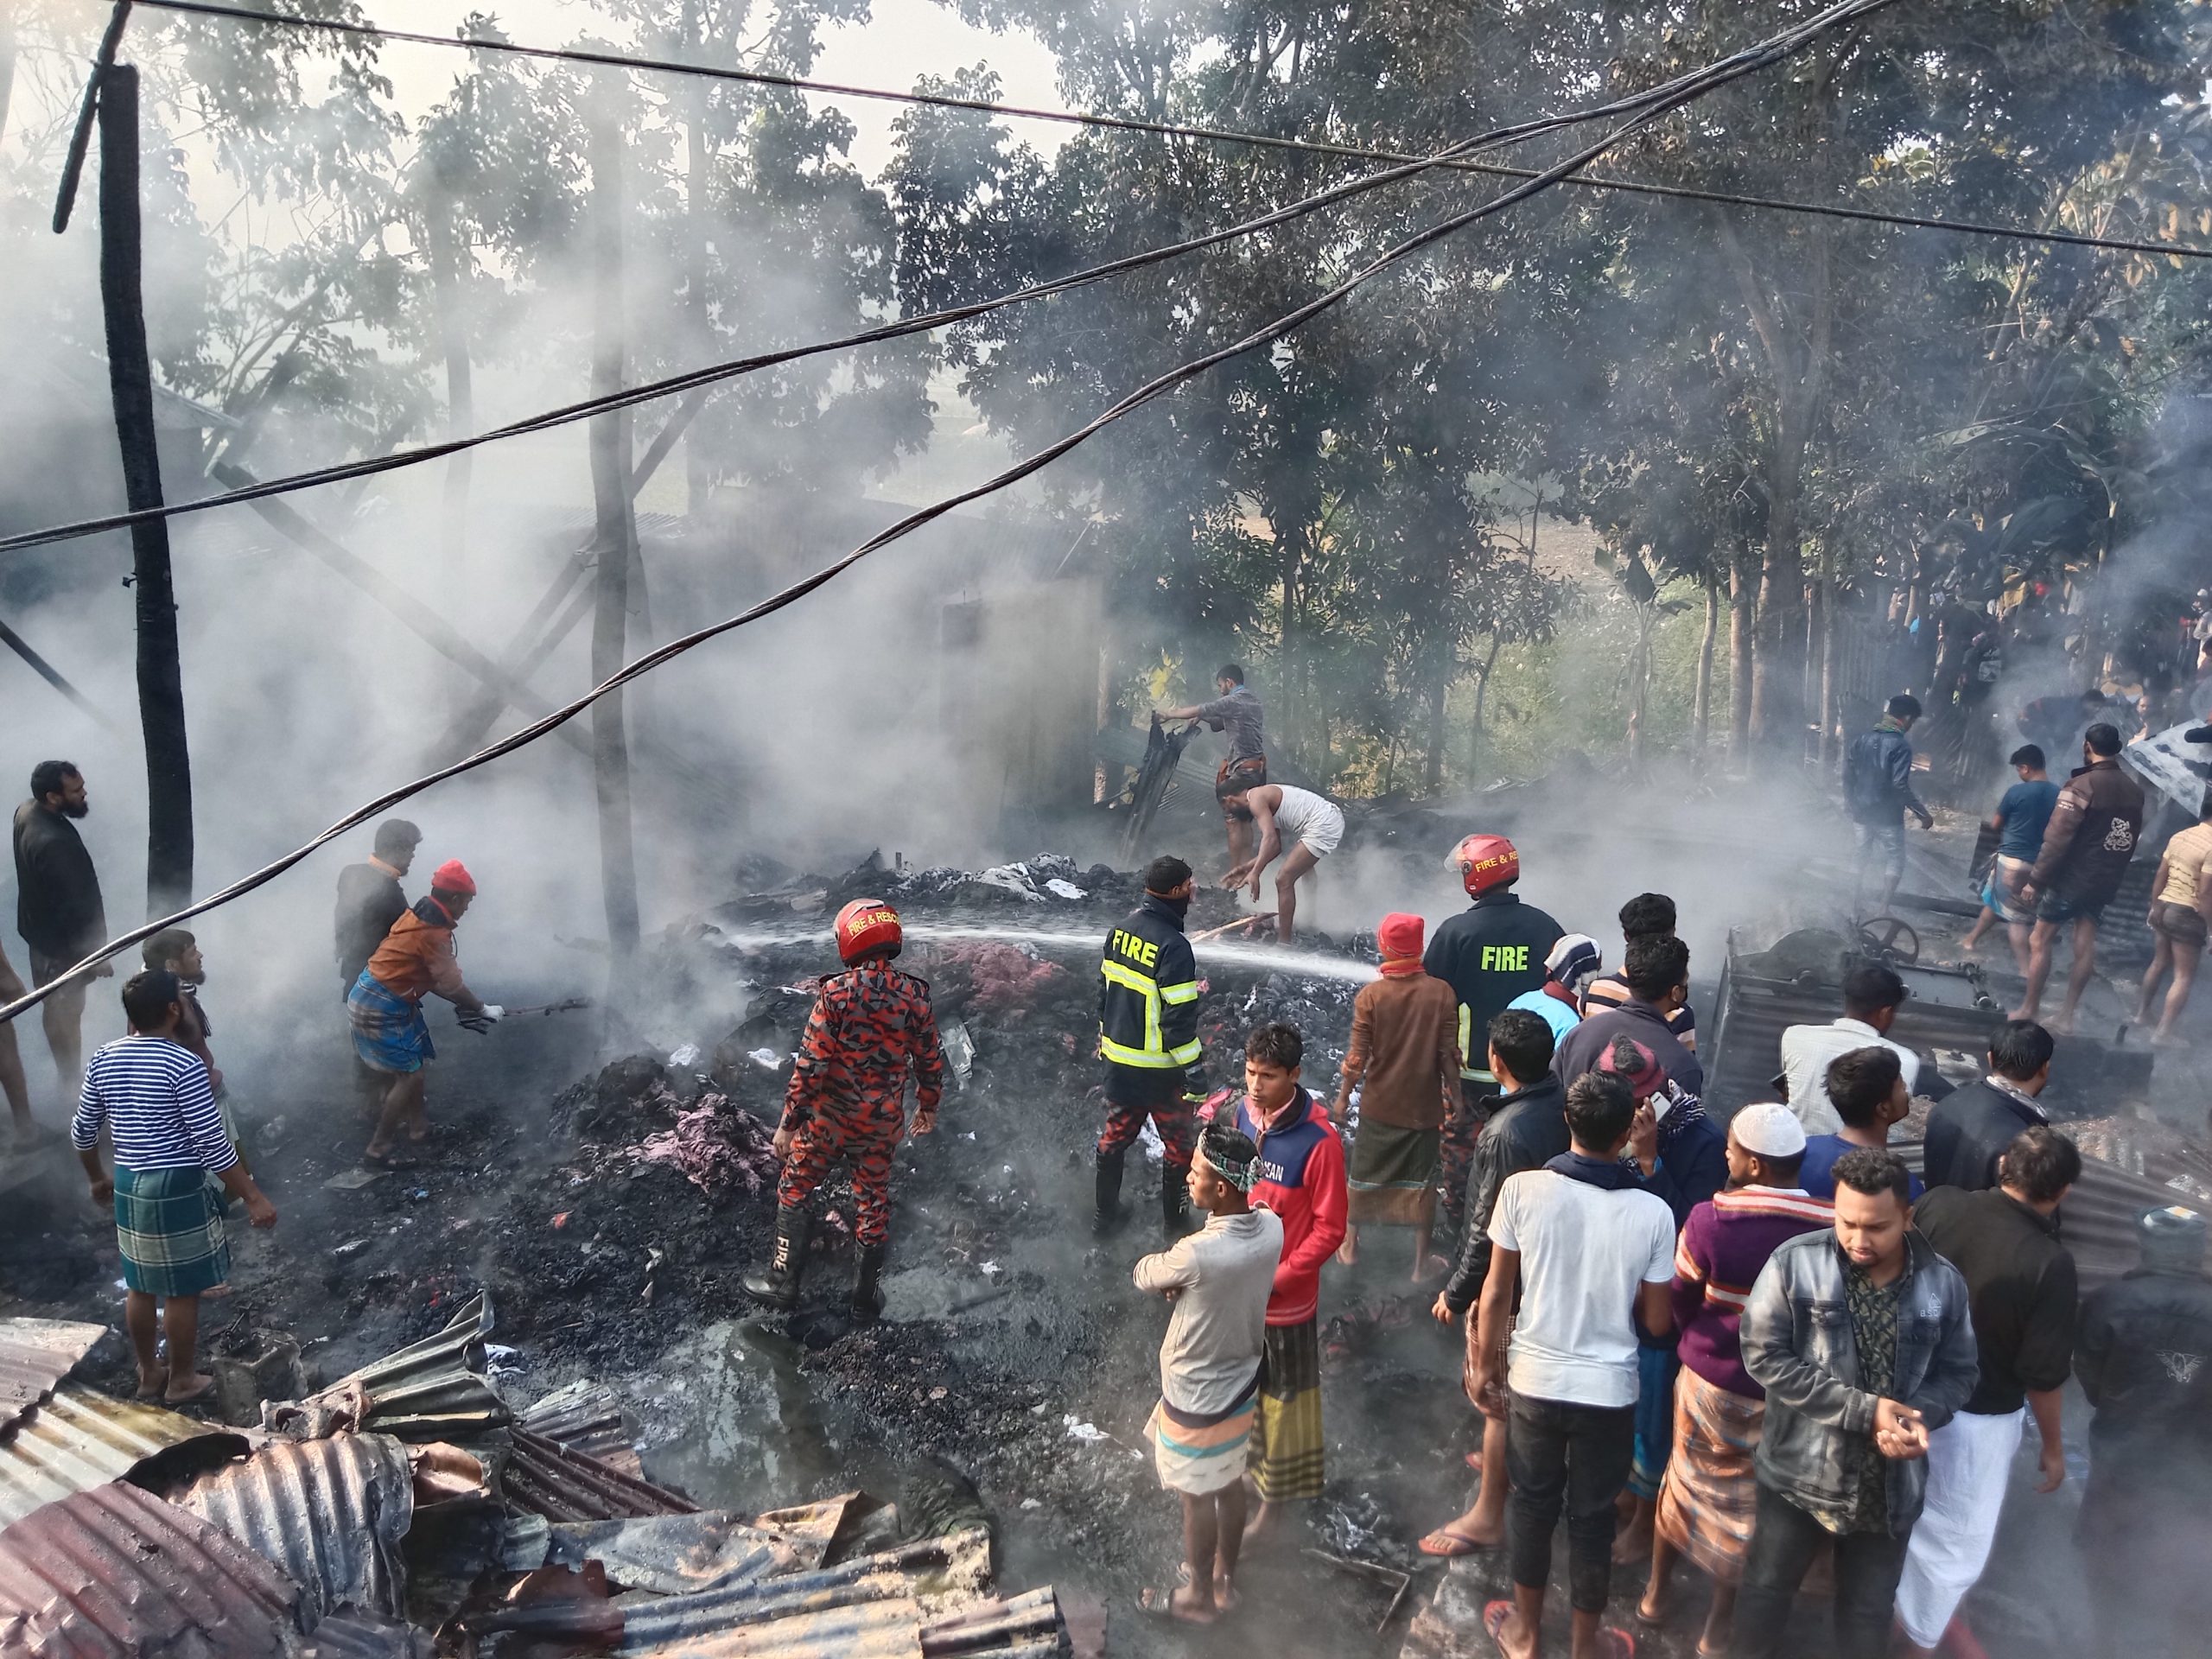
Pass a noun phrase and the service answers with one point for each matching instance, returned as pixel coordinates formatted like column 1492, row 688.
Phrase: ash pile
column 409, row 1510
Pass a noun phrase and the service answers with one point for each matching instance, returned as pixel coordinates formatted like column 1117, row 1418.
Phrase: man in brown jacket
column 2086, row 849
column 1404, row 1058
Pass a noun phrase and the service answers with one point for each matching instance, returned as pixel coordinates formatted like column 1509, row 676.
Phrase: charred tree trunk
column 1701, row 706
column 131, row 383
column 613, row 543
column 447, row 274
column 1432, row 770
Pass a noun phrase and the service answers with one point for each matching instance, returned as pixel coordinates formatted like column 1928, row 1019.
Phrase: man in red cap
column 385, row 1004
column 1489, row 954
column 871, row 1026
column 1404, row 1063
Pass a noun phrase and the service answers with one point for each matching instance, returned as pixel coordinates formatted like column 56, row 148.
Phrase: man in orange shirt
column 386, row 1004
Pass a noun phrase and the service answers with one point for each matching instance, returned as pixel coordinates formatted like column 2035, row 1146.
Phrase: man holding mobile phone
column 1862, row 1338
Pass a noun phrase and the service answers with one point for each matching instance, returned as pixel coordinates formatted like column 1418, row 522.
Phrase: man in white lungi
column 1302, row 827
column 2020, row 1285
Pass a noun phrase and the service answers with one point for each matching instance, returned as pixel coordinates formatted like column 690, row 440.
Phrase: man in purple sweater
column 1708, row 1498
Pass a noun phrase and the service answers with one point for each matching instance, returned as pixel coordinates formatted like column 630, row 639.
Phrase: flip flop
column 1450, row 1546
column 1495, row 1613
column 389, row 1161
column 1650, row 1621
column 159, row 1387
column 204, row 1391
column 1155, row 1602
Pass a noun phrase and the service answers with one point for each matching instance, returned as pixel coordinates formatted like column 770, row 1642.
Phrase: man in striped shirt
column 1708, row 1497
column 153, row 1096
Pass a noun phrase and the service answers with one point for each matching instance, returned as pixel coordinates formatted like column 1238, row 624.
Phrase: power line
column 1175, row 129
column 1653, row 98
column 1684, row 90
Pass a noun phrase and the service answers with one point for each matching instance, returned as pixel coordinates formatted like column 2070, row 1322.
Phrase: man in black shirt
column 1969, row 1129
column 2021, row 1288
column 1658, row 972
column 2143, row 1356
column 369, row 899
column 58, row 908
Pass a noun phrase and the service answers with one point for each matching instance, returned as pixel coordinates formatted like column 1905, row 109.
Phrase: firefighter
column 1149, row 1036
column 847, row 1099
column 1490, row 953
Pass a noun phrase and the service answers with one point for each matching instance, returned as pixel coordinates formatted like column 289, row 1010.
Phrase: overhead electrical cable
column 692, row 379
column 1321, row 147
column 1683, row 90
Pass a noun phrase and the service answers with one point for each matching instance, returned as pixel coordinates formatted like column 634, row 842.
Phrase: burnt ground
column 1014, row 1347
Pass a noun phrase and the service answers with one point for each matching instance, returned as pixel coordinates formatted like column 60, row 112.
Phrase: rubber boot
column 1106, row 1214
column 778, row 1286
column 1174, row 1200
column 867, row 1298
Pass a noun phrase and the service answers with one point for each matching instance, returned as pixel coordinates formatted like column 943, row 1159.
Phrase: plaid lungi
column 1393, row 1174
column 1289, row 1430
column 1199, row 1454
column 170, row 1232
column 389, row 1033
column 1709, row 1496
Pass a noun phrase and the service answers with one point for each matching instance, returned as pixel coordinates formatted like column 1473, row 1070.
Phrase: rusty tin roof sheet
column 329, row 1513
column 116, row 1573
column 35, row 1355
column 78, row 1440
column 549, row 1479
column 585, row 1417
column 434, row 1389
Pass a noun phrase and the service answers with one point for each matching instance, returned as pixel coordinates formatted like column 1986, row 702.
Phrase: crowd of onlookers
column 1765, row 1349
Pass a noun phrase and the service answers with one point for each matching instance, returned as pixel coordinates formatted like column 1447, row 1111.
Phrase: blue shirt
column 1560, row 1016
column 1817, row 1173
column 2026, row 811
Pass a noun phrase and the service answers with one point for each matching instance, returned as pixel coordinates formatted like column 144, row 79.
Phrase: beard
column 77, row 811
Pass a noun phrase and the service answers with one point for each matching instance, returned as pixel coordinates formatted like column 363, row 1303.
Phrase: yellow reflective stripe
column 1129, row 979
column 1187, row 1054
column 1466, row 1046
column 1149, row 1060
column 1186, row 992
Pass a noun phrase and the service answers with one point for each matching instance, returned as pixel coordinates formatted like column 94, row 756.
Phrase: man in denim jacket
column 1862, row 1339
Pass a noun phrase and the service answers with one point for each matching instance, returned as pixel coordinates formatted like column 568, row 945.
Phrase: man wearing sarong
column 1238, row 712
column 1302, row 1180
column 1708, row 1494
column 2018, row 820
column 1404, row 1059
column 152, row 1096
column 2022, row 1293
column 1219, row 1279
column 417, row 959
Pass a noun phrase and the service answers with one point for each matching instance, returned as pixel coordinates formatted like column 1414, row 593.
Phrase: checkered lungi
column 170, row 1231
column 1289, row 1443
column 1709, row 1496
column 389, row 1033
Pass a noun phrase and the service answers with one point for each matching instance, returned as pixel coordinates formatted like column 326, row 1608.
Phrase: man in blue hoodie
column 1877, row 793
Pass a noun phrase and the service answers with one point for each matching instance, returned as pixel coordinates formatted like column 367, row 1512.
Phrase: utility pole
column 614, row 542
column 131, row 383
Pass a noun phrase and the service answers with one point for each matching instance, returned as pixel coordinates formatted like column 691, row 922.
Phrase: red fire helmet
column 1486, row 861
column 868, row 927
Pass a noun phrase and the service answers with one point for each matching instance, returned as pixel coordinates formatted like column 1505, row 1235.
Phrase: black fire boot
column 1106, row 1215
column 867, row 1299
column 1174, row 1200
column 778, row 1286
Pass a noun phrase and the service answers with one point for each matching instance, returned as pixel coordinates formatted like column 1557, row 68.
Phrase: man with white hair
column 1708, row 1495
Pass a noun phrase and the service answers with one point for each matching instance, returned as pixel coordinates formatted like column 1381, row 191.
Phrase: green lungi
column 170, row 1232
column 1288, row 1434
column 1392, row 1177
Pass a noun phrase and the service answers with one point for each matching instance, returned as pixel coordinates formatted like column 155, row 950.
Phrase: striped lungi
column 1289, row 1429
column 170, row 1232
column 1198, row 1453
column 1999, row 896
column 1708, row 1498
column 1472, row 1319
column 1393, row 1174
column 389, row 1033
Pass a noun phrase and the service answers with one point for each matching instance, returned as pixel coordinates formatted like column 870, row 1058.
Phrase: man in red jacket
column 1302, row 1181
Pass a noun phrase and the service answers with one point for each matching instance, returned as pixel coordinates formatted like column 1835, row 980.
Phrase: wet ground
column 1014, row 1348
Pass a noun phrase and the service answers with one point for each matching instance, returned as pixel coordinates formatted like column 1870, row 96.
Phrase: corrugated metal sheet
column 36, row 1355
column 78, row 1440
column 674, row 1554
column 548, row 1479
column 330, row 1513
column 116, row 1573
column 434, row 1389
column 585, row 1417
column 890, row 1629
column 354, row 1637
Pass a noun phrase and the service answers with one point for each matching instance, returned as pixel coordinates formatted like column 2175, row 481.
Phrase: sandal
column 204, row 1391
column 1161, row 1604
column 159, row 1387
column 386, row 1162
column 1450, row 1546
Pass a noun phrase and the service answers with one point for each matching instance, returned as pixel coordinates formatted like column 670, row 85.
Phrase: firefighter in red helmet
column 1489, row 954
column 871, row 1026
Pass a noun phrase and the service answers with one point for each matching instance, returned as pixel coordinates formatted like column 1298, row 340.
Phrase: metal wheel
column 1893, row 939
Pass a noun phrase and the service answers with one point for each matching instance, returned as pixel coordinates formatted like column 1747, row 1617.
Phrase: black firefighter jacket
column 1148, row 992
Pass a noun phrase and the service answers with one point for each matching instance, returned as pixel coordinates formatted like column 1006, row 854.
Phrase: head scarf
column 1573, row 961
column 1644, row 1075
column 1399, row 938
column 1215, row 1151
